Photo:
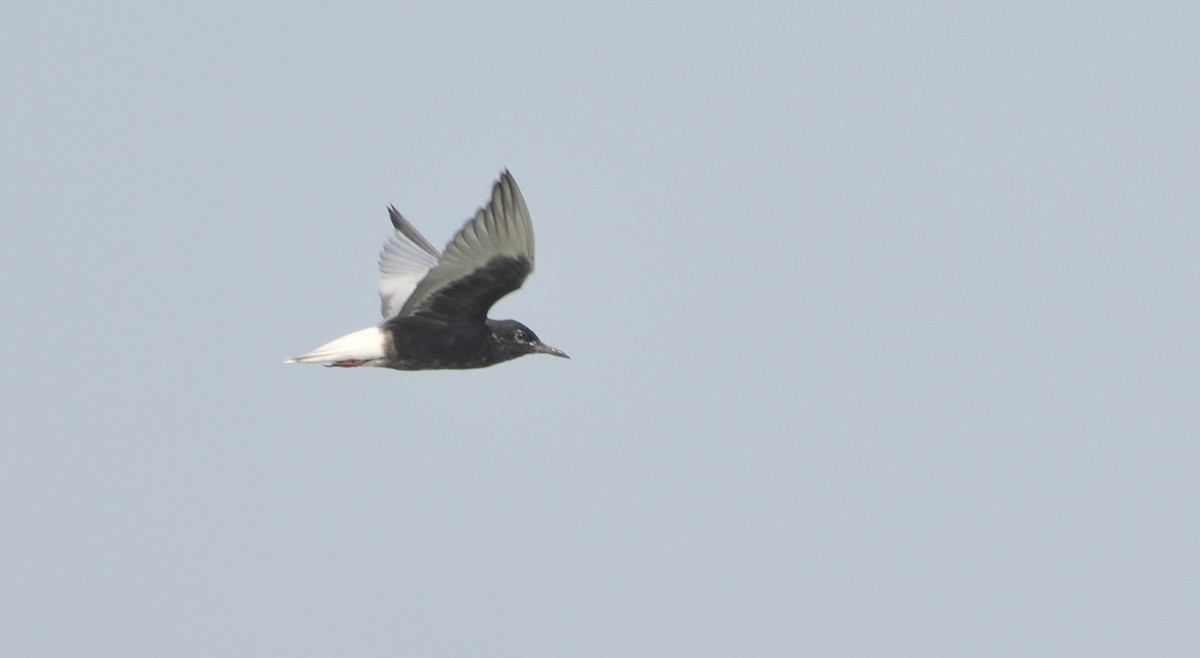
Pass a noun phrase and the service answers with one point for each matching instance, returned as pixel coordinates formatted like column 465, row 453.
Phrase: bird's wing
column 489, row 258
column 406, row 258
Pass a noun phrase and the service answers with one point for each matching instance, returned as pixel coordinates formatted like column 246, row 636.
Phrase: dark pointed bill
column 543, row 348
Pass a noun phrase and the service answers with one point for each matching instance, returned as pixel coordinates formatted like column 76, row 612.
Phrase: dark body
column 452, row 331
column 418, row 344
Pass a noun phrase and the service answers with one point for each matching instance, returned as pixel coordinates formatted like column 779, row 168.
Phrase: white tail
column 361, row 348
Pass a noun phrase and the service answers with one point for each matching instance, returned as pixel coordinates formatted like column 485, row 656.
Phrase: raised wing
column 406, row 258
column 490, row 257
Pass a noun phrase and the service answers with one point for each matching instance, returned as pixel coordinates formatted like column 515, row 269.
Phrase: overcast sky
column 883, row 320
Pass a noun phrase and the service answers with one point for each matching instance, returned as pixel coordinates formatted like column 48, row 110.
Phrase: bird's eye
column 521, row 337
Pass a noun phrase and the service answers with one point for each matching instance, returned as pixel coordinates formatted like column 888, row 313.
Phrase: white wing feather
column 406, row 258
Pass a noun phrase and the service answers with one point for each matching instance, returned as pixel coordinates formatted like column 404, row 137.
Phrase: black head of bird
column 435, row 303
column 512, row 339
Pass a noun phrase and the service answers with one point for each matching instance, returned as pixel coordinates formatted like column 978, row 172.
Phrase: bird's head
column 512, row 339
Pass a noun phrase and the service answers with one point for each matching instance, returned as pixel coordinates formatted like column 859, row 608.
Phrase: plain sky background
column 883, row 320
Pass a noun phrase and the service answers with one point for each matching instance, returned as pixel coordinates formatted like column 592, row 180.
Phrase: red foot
column 350, row 363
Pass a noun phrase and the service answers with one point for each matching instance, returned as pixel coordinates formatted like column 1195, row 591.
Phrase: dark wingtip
column 409, row 231
column 395, row 216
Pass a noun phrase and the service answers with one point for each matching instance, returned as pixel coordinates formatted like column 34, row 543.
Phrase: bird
column 435, row 304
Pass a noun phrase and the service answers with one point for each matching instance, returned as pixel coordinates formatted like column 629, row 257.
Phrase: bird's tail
column 364, row 347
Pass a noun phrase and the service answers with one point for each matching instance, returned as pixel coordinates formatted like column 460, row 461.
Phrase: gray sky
column 883, row 322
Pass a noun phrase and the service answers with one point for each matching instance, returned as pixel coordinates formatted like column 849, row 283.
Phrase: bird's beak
column 543, row 348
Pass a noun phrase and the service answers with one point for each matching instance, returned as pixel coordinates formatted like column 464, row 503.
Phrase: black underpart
column 451, row 329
